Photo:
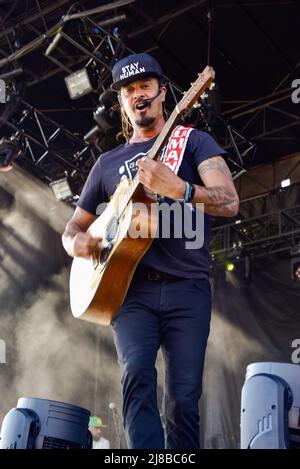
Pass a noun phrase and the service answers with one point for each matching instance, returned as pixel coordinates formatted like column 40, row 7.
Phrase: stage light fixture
column 62, row 189
column 106, row 115
column 285, row 183
column 230, row 266
column 45, row 424
column 78, row 84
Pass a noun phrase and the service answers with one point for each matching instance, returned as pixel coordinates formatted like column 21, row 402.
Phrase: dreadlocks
column 127, row 129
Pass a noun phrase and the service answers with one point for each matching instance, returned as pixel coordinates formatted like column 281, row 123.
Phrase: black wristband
column 192, row 192
column 189, row 192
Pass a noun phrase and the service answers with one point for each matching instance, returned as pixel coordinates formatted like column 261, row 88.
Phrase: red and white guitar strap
column 172, row 154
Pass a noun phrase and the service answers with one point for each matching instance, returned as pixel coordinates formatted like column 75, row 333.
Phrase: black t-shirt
column 169, row 255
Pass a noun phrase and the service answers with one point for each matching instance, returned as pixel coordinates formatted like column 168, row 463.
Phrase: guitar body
column 98, row 291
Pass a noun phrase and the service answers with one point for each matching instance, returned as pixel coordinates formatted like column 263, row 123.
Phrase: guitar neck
column 164, row 135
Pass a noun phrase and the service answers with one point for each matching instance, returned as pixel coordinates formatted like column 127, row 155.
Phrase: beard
column 145, row 122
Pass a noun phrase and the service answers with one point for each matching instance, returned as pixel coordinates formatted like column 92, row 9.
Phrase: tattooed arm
column 219, row 194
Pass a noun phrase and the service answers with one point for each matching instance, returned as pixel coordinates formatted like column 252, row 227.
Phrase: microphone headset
column 147, row 102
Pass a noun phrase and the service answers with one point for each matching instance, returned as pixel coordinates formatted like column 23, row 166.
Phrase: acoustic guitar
column 98, row 286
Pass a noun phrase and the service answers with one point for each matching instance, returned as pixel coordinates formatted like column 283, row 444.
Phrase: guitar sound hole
column 111, row 229
column 105, row 252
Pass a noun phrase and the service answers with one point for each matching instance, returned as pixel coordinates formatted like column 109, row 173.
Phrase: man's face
column 132, row 97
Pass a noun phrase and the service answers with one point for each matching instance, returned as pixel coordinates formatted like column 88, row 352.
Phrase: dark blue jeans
column 173, row 315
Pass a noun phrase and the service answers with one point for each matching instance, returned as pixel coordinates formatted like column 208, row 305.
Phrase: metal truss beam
column 166, row 18
column 34, row 15
column 43, row 12
column 51, row 150
column 36, row 43
column 260, row 112
column 262, row 235
column 255, row 105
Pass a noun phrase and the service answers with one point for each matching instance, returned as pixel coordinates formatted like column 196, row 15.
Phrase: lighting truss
column 257, row 236
column 100, row 48
column 51, row 150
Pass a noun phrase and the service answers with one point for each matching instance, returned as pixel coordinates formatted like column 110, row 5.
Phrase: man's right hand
column 85, row 245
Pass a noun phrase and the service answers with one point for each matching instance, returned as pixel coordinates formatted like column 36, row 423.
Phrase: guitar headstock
column 198, row 87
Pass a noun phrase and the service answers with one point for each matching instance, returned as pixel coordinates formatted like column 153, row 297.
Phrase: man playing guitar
column 168, row 303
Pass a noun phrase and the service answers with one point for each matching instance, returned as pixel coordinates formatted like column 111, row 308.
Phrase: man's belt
column 148, row 273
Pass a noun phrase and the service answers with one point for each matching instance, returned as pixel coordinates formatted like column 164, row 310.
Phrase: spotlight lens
column 230, row 266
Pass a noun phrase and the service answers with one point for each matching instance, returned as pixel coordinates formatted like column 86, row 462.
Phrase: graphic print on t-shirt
column 130, row 166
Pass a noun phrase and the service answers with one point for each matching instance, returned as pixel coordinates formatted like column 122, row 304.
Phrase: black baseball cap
column 134, row 67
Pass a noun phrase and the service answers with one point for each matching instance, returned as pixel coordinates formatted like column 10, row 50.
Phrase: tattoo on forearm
column 218, row 196
column 219, row 201
column 221, row 210
column 213, row 164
